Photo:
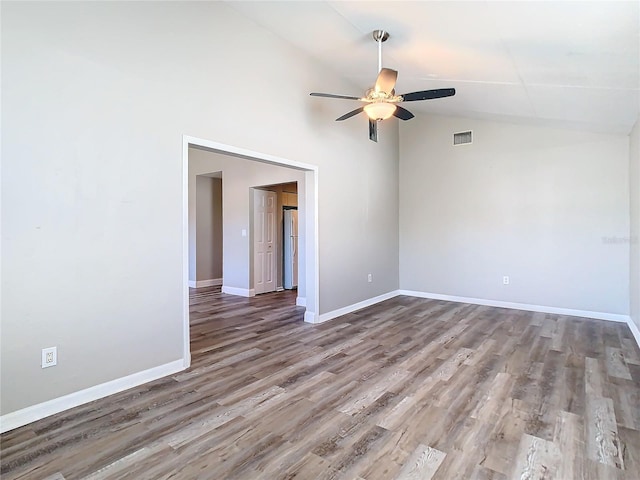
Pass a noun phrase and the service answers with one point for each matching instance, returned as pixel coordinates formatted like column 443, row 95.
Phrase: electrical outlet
column 505, row 280
column 370, row 278
column 49, row 357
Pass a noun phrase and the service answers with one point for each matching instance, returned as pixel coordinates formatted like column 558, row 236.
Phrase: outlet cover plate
column 49, row 357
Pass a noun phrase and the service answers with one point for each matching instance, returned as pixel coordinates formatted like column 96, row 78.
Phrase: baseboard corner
column 635, row 331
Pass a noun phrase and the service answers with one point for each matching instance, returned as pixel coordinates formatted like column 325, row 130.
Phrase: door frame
column 312, row 271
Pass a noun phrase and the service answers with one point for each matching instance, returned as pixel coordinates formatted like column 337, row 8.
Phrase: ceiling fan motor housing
column 380, row 35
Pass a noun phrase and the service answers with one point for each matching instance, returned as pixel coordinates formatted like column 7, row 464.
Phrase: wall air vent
column 462, row 138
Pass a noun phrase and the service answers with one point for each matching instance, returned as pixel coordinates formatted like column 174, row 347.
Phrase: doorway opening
column 276, row 262
column 237, row 280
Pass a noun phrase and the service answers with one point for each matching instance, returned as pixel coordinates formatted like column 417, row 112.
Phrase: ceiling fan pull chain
column 379, row 54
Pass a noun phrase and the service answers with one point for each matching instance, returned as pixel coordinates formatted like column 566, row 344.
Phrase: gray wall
column 634, row 184
column 543, row 206
column 96, row 98
column 208, row 228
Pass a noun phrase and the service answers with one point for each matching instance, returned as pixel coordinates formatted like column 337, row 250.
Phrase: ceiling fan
column 381, row 100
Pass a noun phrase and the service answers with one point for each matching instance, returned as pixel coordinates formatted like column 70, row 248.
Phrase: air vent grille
column 462, row 138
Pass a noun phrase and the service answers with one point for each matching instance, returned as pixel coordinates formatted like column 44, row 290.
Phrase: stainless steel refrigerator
column 290, row 248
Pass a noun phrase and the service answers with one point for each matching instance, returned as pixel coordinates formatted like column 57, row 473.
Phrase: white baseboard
column 50, row 407
column 212, row 282
column 310, row 317
column 614, row 317
column 356, row 306
column 33, row 413
column 242, row 292
column 301, row 301
column 634, row 330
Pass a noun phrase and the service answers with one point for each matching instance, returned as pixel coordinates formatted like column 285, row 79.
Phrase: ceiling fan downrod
column 380, row 36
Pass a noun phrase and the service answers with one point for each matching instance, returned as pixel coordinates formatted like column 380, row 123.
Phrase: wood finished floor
column 409, row 388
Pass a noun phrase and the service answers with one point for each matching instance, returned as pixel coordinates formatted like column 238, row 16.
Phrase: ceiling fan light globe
column 380, row 110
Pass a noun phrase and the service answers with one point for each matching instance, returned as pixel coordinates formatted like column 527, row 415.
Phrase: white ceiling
column 562, row 63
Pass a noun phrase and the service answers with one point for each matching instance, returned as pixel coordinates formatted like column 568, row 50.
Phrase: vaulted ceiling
column 560, row 63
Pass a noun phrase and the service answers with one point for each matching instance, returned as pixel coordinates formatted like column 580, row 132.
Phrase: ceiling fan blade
column 350, row 114
column 331, row 95
column 403, row 113
column 373, row 130
column 386, row 80
column 429, row 94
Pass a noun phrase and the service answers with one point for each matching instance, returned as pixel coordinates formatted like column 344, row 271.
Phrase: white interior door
column 264, row 241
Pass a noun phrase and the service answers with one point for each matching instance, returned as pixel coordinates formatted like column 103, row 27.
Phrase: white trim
column 613, row 317
column 311, row 220
column 301, row 301
column 186, row 334
column 50, row 407
column 634, row 330
column 246, row 154
column 242, row 292
column 356, row 306
column 212, row 282
column 314, row 271
column 310, row 317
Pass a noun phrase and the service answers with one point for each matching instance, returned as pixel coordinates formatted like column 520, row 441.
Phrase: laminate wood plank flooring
column 408, row 388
